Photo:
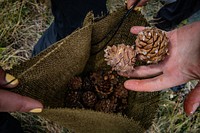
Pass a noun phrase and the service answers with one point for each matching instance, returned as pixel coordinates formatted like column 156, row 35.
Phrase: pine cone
column 105, row 105
column 122, row 105
column 121, row 57
column 72, row 98
column 102, row 83
column 89, row 98
column 121, row 92
column 75, row 83
column 97, row 77
column 88, row 85
column 151, row 45
column 112, row 77
column 104, row 89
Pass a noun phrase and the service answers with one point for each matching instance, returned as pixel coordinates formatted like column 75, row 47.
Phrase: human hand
column 132, row 2
column 10, row 102
column 180, row 66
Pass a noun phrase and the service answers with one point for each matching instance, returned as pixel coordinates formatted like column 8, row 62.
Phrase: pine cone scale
column 150, row 41
column 147, row 47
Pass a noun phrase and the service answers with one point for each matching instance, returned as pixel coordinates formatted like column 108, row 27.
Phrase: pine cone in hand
column 121, row 57
column 151, row 45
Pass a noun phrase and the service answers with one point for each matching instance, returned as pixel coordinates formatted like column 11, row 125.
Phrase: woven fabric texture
column 45, row 76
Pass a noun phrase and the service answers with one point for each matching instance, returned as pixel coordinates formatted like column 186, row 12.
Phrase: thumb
column 192, row 100
column 137, row 29
column 130, row 3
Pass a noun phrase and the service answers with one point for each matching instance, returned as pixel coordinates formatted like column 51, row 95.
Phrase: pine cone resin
column 120, row 57
column 151, row 45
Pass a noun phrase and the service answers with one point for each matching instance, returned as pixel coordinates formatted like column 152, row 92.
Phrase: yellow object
column 11, row 79
column 138, row 8
column 36, row 110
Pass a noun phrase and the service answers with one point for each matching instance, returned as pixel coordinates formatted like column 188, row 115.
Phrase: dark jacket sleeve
column 8, row 124
column 68, row 16
column 172, row 14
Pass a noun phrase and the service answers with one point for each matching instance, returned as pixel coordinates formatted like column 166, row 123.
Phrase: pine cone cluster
column 100, row 91
column 151, row 47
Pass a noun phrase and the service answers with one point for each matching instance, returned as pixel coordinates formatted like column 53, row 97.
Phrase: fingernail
column 126, row 84
column 11, row 80
column 129, row 7
column 138, row 9
column 36, row 110
column 194, row 108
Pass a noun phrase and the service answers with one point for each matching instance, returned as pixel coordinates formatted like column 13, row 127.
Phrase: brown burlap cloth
column 45, row 76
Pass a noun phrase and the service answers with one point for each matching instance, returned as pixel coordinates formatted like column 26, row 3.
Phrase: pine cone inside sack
column 120, row 57
column 120, row 91
column 75, row 83
column 89, row 98
column 102, row 84
column 151, row 45
column 105, row 105
column 72, row 98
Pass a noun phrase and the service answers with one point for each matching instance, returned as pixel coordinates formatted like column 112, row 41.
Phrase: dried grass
column 22, row 23
column 171, row 118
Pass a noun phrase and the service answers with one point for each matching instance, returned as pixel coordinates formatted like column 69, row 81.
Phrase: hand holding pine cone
column 151, row 47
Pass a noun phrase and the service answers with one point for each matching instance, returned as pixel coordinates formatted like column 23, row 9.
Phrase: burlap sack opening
column 45, row 76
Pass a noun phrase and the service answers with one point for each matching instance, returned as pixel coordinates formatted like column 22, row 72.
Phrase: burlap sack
column 44, row 77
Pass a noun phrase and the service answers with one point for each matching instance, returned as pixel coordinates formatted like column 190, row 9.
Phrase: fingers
column 144, row 71
column 7, row 80
column 132, row 2
column 192, row 100
column 11, row 102
column 136, row 29
column 158, row 83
